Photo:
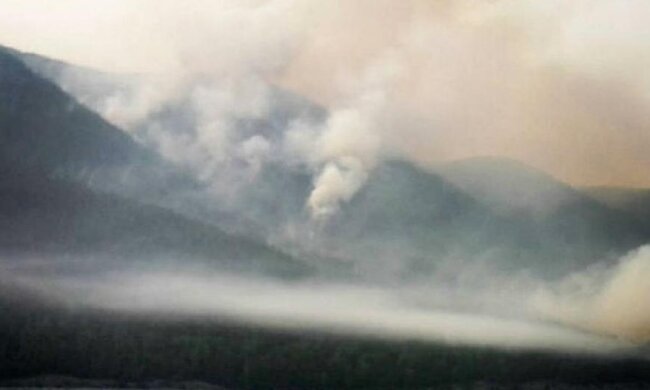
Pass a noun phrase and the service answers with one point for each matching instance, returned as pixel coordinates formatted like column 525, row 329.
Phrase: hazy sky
column 562, row 85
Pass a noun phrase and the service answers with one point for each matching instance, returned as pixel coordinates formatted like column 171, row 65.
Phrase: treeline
column 37, row 340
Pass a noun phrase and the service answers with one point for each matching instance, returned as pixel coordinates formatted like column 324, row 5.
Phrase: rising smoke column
column 552, row 83
column 350, row 143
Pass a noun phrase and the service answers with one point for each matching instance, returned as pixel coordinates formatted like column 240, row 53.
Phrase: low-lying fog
column 600, row 310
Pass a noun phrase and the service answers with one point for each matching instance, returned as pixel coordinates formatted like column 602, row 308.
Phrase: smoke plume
column 613, row 301
column 350, row 142
column 556, row 85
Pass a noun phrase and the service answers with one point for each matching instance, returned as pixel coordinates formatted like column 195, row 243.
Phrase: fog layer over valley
column 596, row 311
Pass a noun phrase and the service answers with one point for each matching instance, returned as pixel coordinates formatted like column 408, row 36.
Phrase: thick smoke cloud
column 612, row 301
column 557, row 85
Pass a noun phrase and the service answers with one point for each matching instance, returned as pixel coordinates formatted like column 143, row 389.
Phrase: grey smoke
column 590, row 312
column 609, row 300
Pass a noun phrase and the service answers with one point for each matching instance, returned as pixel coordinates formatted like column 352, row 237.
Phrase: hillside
column 635, row 201
column 53, row 219
column 44, row 346
column 404, row 221
column 564, row 220
column 41, row 126
column 54, row 155
column 86, row 85
column 508, row 186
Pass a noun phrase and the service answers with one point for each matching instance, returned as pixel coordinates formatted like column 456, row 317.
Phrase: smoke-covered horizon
column 558, row 86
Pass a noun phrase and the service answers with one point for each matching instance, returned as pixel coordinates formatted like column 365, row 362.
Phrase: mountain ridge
column 51, row 147
column 404, row 219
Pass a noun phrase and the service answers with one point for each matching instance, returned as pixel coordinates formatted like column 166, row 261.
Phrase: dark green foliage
column 37, row 340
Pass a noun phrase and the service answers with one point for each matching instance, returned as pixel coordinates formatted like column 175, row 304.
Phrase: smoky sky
column 559, row 85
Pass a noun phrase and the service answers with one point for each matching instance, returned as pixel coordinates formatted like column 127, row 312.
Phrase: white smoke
column 426, row 81
column 214, row 60
column 527, row 79
column 337, row 182
column 256, row 151
column 609, row 300
column 600, row 310
column 131, row 104
column 401, row 313
column 350, row 144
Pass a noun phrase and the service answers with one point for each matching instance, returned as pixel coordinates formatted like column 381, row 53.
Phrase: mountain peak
column 508, row 185
column 42, row 126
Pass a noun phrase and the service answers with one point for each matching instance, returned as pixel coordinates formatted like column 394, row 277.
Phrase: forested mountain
column 51, row 150
column 405, row 219
column 47, row 218
column 41, row 126
column 565, row 220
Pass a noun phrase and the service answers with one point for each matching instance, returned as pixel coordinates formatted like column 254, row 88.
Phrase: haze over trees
column 220, row 224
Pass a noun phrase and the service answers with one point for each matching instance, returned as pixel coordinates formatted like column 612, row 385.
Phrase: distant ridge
column 404, row 221
column 632, row 200
column 49, row 145
column 41, row 126
column 559, row 215
column 508, row 185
